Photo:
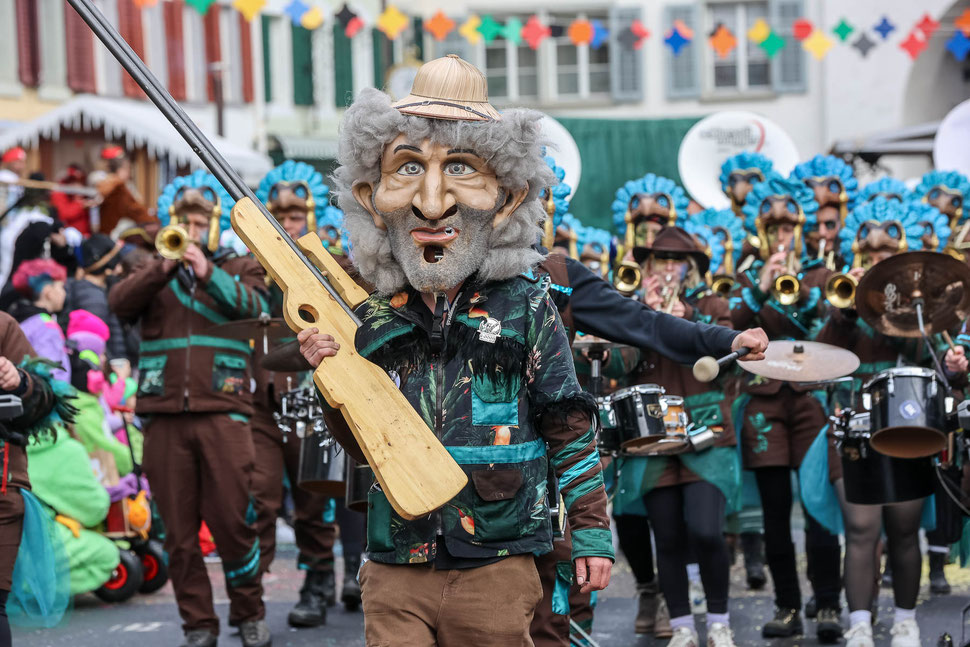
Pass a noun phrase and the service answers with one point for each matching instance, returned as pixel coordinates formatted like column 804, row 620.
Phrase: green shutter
column 343, row 63
column 267, row 78
column 381, row 45
column 302, row 66
column 419, row 38
column 683, row 71
column 616, row 150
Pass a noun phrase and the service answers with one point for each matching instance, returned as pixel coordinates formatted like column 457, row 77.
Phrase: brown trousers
column 778, row 429
column 314, row 538
column 11, row 527
column 551, row 629
column 200, row 466
column 418, row 606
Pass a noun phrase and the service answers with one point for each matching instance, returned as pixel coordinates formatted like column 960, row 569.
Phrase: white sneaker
column 859, row 635
column 698, row 601
column 720, row 635
column 684, row 637
column 905, row 634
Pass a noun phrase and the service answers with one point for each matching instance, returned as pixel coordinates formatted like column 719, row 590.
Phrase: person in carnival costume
column 779, row 420
column 296, row 195
column 874, row 231
column 835, row 187
column 948, row 191
column 741, row 172
column 643, row 207
column 194, row 391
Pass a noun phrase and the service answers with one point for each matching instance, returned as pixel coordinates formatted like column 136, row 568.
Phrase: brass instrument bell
column 786, row 286
column 172, row 241
column 722, row 284
column 627, row 278
column 840, row 290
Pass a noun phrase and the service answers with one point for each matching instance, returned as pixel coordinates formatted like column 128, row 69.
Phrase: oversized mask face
column 828, row 191
column 876, row 241
column 292, row 204
column 439, row 206
column 740, row 183
column 649, row 214
column 948, row 201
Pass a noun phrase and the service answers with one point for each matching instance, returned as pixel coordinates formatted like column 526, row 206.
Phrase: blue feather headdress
column 742, row 162
column 824, row 166
column 911, row 216
column 776, row 185
column 720, row 221
column 649, row 183
column 710, row 242
column 196, row 180
column 950, row 180
column 560, row 192
column 291, row 171
column 887, row 187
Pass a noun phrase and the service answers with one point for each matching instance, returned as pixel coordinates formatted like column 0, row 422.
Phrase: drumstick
column 708, row 368
column 949, row 341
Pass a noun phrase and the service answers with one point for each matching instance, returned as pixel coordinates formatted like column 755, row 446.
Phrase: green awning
column 616, row 150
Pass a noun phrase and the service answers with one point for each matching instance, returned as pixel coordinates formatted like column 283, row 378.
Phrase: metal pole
column 185, row 127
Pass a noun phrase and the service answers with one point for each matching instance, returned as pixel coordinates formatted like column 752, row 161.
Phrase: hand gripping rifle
column 416, row 472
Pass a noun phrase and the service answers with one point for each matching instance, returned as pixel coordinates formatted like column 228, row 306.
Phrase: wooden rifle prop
column 416, row 472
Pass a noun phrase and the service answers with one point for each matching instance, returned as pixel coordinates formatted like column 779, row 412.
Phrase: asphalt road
column 152, row 621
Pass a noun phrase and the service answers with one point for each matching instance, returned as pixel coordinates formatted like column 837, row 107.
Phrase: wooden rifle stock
column 417, row 473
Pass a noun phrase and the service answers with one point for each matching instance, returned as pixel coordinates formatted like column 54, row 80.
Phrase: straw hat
column 449, row 88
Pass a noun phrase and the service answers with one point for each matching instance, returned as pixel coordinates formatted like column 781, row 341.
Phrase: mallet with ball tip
column 708, row 368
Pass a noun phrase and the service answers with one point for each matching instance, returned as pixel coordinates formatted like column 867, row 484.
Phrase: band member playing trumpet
column 948, row 191
column 296, row 195
column 782, row 291
column 687, row 495
column 873, row 232
column 645, row 206
column 194, row 392
column 835, row 187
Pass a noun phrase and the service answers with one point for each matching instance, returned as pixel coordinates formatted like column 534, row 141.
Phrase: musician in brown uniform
column 783, row 293
column 194, row 393
column 686, row 495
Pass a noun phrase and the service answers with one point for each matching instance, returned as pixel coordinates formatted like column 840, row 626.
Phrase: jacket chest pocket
column 152, row 378
column 705, row 409
column 497, row 512
column 494, row 402
column 229, row 374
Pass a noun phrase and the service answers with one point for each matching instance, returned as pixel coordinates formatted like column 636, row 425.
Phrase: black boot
column 350, row 591
column 647, row 601
column 938, row 583
column 753, row 546
column 787, row 622
column 311, row 610
column 329, row 587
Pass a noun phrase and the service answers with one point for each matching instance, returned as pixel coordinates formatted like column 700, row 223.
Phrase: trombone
column 627, row 278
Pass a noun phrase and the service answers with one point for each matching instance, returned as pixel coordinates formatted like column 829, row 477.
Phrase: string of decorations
column 815, row 39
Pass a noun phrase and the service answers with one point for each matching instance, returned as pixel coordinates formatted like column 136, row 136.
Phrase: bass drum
column 872, row 478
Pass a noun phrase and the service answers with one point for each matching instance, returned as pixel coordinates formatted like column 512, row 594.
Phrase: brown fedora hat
column 674, row 241
column 449, row 88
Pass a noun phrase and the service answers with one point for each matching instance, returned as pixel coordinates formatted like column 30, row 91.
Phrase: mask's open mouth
column 434, row 241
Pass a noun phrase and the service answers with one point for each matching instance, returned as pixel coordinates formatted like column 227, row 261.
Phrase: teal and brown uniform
column 504, row 409
column 781, row 419
column 195, row 392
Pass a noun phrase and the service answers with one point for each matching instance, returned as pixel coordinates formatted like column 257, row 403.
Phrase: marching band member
column 741, row 172
column 645, row 206
column 835, row 187
column 887, row 187
column 296, row 196
column 194, row 393
column 687, row 495
column 874, row 231
column 782, row 292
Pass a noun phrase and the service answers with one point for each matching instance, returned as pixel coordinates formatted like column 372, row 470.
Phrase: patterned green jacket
column 493, row 377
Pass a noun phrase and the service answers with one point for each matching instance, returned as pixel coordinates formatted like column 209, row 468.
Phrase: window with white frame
column 746, row 68
column 512, row 70
column 582, row 71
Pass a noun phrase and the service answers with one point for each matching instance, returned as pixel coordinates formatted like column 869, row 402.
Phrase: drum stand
column 584, row 639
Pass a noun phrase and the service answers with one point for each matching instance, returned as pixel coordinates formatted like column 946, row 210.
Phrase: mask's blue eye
column 635, row 202
column 956, row 202
column 753, row 178
column 893, row 231
column 300, row 191
column 733, row 179
column 863, row 232
column 792, row 207
column 663, row 201
column 274, row 193
column 835, row 187
column 934, row 194
column 765, row 207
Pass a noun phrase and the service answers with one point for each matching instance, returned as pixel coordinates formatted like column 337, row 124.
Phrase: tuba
column 627, row 278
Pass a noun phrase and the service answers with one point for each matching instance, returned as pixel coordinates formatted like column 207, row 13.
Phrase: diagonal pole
column 189, row 131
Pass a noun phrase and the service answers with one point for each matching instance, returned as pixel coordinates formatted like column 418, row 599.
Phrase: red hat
column 15, row 154
column 31, row 276
column 112, row 152
column 82, row 321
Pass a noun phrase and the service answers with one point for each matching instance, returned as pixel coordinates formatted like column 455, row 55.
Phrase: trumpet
column 627, row 278
column 172, row 241
column 840, row 290
column 722, row 284
column 786, row 287
column 670, row 292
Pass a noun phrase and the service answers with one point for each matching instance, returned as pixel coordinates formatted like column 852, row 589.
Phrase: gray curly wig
column 512, row 147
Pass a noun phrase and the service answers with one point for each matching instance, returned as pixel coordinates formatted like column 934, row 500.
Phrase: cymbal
column 803, row 361
column 246, row 329
column 285, row 359
column 594, row 344
column 887, row 294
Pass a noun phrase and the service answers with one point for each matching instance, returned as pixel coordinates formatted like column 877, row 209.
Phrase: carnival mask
column 439, row 206
column 192, row 205
column 878, row 240
column 740, row 183
column 293, row 206
column 828, row 191
column 947, row 201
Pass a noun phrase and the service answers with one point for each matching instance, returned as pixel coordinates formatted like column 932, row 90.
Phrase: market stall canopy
column 136, row 124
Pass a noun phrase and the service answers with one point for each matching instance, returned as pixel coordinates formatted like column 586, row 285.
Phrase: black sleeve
column 600, row 310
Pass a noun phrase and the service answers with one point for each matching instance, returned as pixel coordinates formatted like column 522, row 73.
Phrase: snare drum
column 639, row 415
column 607, row 438
column 872, row 478
column 908, row 407
column 360, row 480
column 321, row 468
column 675, row 439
